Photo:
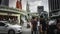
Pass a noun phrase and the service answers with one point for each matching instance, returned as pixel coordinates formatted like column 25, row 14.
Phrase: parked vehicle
column 9, row 28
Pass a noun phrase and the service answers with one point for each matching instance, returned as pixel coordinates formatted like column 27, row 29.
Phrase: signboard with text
column 40, row 9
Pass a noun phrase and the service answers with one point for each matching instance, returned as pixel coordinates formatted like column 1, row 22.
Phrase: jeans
column 33, row 32
column 38, row 29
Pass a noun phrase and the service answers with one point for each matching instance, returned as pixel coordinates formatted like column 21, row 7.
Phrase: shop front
column 11, row 14
column 6, row 17
column 11, row 17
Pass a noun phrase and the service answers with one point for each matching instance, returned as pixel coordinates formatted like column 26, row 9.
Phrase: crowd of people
column 38, row 25
column 41, row 26
column 54, row 28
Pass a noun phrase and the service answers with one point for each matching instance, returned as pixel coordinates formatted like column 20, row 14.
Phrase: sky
column 34, row 3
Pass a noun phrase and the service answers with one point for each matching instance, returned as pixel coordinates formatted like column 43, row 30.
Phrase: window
column 0, row 1
column 2, row 24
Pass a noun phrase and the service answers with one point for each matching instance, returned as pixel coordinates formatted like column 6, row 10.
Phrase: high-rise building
column 54, row 8
column 4, row 2
column 27, row 7
column 28, row 10
column 19, row 4
column 54, row 5
column 0, row 1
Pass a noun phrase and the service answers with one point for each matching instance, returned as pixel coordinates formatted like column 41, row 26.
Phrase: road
column 25, row 29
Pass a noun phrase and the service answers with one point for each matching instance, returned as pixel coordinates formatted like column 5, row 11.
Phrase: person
column 52, row 26
column 22, row 22
column 34, row 25
column 28, row 24
column 58, row 26
column 43, row 25
column 38, row 26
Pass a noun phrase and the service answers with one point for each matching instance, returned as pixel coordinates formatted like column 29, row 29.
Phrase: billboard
column 40, row 9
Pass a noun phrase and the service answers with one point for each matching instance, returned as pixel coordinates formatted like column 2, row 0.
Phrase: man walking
column 43, row 24
column 34, row 25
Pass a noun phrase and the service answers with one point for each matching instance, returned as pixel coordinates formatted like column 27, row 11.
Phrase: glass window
column 5, row 2
column 2, row 24
column 0, row 1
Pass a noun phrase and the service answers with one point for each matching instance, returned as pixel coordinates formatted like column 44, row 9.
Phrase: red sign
column 18, row 4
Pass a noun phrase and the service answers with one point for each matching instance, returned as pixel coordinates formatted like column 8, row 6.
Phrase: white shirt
column 52, row 22
column 38, row 23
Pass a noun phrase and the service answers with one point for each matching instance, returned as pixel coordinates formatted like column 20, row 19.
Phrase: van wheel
column 11, row 32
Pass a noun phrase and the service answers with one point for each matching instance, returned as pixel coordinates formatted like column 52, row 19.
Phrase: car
column 9, row 28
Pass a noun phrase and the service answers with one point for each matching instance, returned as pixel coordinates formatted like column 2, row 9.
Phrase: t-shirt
column 34, row 23
column 38, row 23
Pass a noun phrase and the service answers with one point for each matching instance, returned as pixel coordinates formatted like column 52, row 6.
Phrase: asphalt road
column 26, row 30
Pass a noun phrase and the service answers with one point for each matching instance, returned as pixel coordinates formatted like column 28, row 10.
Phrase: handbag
column 28, row 26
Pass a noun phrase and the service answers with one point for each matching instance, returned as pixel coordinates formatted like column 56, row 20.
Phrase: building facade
column 54, row 8
column 5, row 2
column 8, row 11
